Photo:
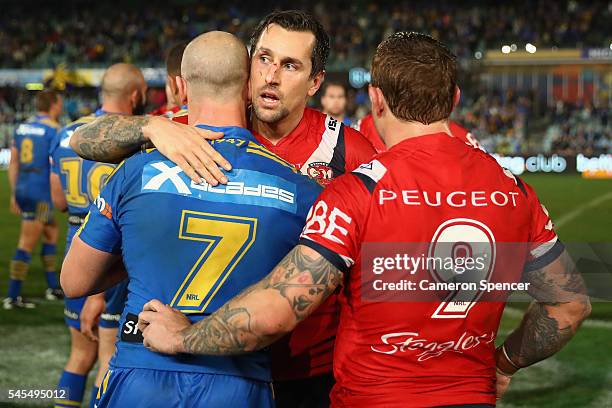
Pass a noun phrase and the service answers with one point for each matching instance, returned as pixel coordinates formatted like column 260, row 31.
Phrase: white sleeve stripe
column 544, row 247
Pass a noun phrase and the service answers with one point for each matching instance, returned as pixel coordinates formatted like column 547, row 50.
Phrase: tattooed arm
column 254, row 319
column 112, row 138
column 561, row 304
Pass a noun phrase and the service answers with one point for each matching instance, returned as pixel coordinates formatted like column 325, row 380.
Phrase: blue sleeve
column 53, row 146
column 52, row 134
column 101, row 228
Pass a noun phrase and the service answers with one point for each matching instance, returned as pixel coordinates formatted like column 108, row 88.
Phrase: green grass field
column 34, row 343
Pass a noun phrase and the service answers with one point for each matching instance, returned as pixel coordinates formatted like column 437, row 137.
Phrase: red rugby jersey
column 321, row 148
column 425, row 353
column 366, row 127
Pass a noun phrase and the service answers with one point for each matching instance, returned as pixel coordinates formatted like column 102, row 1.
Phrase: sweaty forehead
column 284, row 43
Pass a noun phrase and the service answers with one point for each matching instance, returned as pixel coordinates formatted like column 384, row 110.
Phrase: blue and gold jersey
column 195, row 246
column 81, row 179
column 33, row 140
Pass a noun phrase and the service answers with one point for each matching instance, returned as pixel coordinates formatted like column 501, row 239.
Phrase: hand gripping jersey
column 33, row 141
column 366, row 127
column 427, row 353
column 196, row 246
column 321, row 148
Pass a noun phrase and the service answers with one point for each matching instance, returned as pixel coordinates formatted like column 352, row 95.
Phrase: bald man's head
column 124, row 83
column 215, row 65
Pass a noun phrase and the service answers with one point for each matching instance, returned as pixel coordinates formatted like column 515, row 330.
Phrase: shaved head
column 120, row 80
column 215, row 65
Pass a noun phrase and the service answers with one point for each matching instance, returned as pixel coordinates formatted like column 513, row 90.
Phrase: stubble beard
column 270, row 116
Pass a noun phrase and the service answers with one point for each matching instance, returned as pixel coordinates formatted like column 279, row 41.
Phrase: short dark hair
column 328, row 84
column 417, row 74
column 46, row 98
column 174, row 58
column 297, row 20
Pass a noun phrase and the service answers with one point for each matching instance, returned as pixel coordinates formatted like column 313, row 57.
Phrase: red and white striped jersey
column 321, row 148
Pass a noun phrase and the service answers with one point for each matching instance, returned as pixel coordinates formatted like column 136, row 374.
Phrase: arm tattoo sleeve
column 109, row 138
column 267, row 310
column 553, row 319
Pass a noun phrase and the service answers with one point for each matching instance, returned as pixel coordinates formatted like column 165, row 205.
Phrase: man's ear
column 181, row 93
column 134, row 97
column 377, row 100
column 248, row 92
column 182, row 88
column 317, row 81
column 456, row 97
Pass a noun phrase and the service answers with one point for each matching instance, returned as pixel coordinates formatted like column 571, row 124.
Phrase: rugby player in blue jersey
column 93, row 322
column 31, row 197
column 191, row 245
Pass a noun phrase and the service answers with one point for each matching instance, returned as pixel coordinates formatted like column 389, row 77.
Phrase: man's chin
column 270, row 115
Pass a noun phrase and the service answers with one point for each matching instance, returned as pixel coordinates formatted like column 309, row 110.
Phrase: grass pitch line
column 570, row 216
column 589, row 323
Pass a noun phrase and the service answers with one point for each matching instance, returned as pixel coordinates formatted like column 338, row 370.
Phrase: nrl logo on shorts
column 320, row 171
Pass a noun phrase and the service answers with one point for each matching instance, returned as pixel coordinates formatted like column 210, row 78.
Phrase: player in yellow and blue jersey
column 123, row 91
column 31, row 197
column 191, row 245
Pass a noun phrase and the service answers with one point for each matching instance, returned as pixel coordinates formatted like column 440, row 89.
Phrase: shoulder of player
column 138, row 160
column 133, row 166
column 262, row 151
column 50, row 124
column 489, row 163
column 360, row 144
column 72, row 126
column 371, row 173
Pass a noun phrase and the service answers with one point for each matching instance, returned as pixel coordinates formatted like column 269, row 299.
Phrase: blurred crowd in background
column 96, row 34
column 88, row 33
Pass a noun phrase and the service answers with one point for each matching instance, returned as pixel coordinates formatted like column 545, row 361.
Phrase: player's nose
column 272, row 77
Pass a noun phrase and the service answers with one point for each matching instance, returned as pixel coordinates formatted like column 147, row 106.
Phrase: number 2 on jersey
column 470, row 237
column 226, row 240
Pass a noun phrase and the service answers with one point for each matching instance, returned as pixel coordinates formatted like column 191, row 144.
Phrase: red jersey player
column 366, row 126
column 398, row 354
column 289, row 50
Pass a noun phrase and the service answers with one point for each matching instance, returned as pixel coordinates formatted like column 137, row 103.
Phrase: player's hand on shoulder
column 14, row 206
column 90, row 316
column 188, row 147
column 161, row 327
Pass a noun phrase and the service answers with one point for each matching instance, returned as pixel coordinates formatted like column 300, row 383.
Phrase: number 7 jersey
column 195, row 246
